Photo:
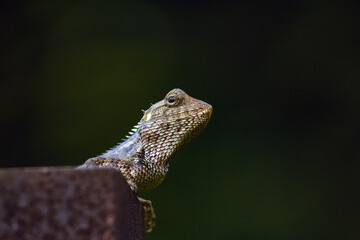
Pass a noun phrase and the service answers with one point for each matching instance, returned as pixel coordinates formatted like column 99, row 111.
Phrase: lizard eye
column 171, row 99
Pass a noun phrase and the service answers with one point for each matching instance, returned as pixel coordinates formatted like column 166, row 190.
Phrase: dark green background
column 279, row 159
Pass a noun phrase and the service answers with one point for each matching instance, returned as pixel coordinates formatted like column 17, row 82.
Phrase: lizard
column 143, row 158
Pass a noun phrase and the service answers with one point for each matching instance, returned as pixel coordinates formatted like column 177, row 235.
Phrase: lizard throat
column 162, row 138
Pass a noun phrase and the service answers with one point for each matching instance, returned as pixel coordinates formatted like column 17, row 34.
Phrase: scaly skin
column 143, row 158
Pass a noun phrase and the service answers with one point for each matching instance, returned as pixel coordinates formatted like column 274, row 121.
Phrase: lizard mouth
column 205, row 109
column 208, row 112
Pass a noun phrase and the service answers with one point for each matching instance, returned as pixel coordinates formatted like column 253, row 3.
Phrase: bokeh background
column 279, row 159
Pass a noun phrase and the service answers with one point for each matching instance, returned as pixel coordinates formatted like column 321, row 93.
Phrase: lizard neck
column 134, row 148
column 125, row 150
column 140, row 146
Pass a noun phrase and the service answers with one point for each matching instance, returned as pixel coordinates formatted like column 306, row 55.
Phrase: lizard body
column 167, row 125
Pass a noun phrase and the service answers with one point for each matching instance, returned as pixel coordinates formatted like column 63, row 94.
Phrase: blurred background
column 278, row 160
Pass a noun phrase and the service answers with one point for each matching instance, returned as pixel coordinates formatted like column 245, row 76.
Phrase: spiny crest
column 132, row 131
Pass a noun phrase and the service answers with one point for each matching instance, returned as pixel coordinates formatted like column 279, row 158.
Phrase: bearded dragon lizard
column 143, row 158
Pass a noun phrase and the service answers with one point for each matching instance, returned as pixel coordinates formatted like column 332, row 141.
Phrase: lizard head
column 170, row 123
column 176, row 105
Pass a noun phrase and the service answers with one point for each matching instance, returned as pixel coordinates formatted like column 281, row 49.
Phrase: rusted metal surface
column 68, row 203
